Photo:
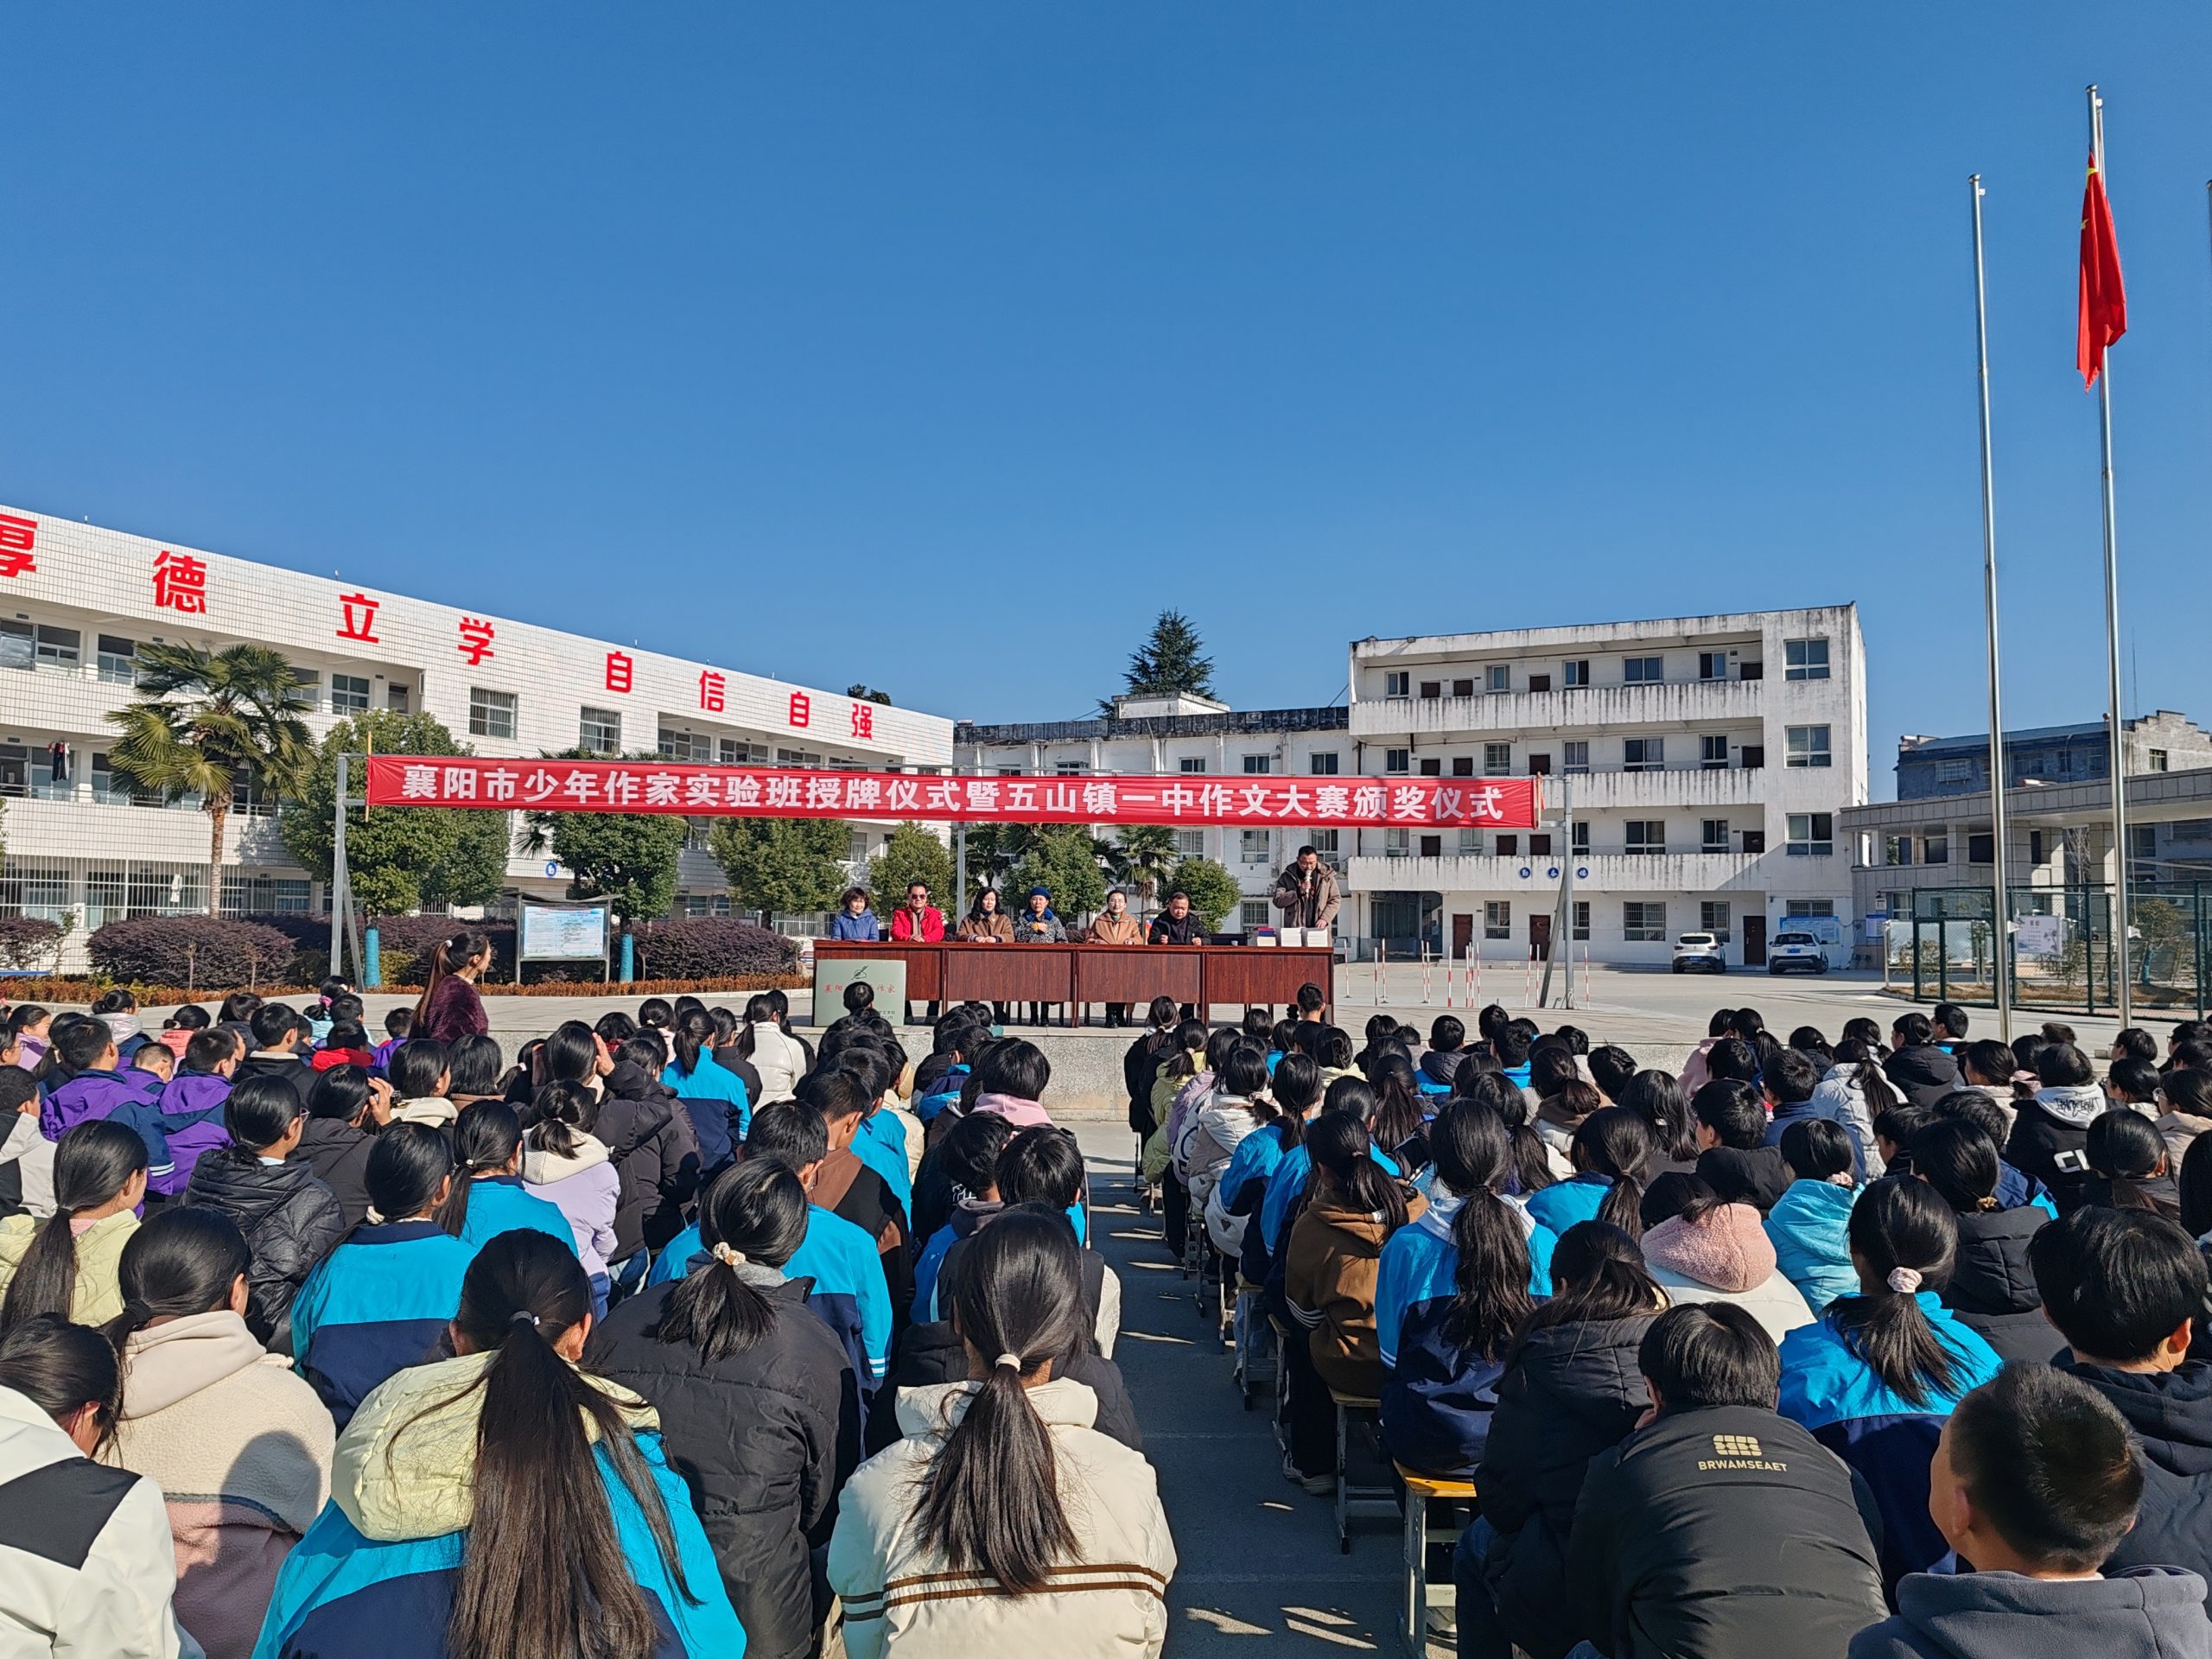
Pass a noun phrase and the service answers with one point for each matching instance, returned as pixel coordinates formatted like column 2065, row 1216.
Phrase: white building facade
column 76, row 601
column 1707, row 758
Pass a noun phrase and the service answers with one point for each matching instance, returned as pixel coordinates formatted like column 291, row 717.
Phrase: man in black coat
column 2126, row 1288
column 1719, row 1528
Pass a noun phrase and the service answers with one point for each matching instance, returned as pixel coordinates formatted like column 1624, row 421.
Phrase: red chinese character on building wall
column 621, row 672
column 180, row 583
column 713, row 691
column 475, row 640
column 802, row 709
column 360, row 617
column 17, row 537
column 863, row 719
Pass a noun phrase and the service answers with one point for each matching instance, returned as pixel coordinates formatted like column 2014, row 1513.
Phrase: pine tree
column 1171, row 660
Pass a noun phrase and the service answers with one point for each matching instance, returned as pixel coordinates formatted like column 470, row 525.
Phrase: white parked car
column 1796, row 950
column 1700, row 952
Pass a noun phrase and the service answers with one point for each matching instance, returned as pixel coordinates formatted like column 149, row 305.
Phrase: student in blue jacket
column 1876, row 1374
column 503, row 1503
column 1809, row 1225
column 486, row 1196
column 1451, row 1288
column 380, row 1300
column 1288, row 1184
column 694, row 1076
column 1611, row 1155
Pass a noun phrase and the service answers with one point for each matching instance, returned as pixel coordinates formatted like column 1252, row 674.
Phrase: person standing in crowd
column 67, row 1263
column 96, row 1571
column 1306, row 893
column 273, row 1049
column 917, row 922
column 450, row 1008
column 1992, row 1287
column 756, row 1400
column 1143, row 1060
column 1809, row 1225
column 290, row 1219
column 853, row 919
column 1040, row 924
column 1114, row 926
column 453, row 1477
column 1718, row 1528
column 240, row 1445
column 2035, row 1481
column 2050, row 1133
column 1004, row 1522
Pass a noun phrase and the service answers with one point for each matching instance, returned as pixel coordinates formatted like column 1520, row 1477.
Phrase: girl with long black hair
column 748, row 1383
column 1611, row 1155
column 450, row 1008
column 1004, row 1522
column 1993, row 1283
column 67, row 1263
column 455, row 1480
column 1532, row 1165
column 290, row 1219
column 486, row 1197
column 1243, row 1188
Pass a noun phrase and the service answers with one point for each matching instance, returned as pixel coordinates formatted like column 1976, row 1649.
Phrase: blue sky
column 940, row 346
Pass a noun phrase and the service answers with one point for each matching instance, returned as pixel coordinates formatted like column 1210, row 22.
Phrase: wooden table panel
column 1209, row 975
column 1137, row 973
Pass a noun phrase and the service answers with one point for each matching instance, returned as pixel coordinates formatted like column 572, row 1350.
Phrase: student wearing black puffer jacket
column 2050, row 1133
column 1571, row 1389
column 337, row 1139
column 758, row 1412
column 650, row 1142
column 290, row 1219
column 1992, row 1288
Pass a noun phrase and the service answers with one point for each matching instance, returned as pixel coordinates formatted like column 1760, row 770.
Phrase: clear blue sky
column 939, row 346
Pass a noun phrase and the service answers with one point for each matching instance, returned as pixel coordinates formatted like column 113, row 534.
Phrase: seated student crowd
column 398, row 1317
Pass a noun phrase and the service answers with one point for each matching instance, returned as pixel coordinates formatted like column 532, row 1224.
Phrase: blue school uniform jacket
column 881, row 1145
column 1565, row 1202
column 376, row 1304
column 499, row 1203
column 1288, row 1180
column 710, row 1081
column 1807, row 1228
column 926, row 1107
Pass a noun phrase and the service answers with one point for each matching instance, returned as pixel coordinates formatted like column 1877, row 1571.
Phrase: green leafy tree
column 1172, row 660
column 1063, row 859
column 209, row 724
column 911, row 854
column 993, row 851
column 1144, row 853
column 1214, row 892
column 626, row 858
column 400, row 858
column 786, row 865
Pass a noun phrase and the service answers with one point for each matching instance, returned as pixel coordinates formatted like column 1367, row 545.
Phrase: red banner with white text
column 774, row 792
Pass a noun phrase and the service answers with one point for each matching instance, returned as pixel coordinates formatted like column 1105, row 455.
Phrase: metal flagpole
column 1563, row 909
column 1998, row 776
column 2122, row 991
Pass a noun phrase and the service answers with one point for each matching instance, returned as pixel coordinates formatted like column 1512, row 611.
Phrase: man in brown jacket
column 1307, row 891
column 1114, row 926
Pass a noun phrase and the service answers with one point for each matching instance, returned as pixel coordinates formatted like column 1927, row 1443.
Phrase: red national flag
column 2103, row 303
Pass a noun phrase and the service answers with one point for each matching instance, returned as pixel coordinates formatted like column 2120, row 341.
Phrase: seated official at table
column 1177, row 924
column 986, row 923
column 917, row 922
column 1114, row 926
column 853, row 919
column 1040, row 924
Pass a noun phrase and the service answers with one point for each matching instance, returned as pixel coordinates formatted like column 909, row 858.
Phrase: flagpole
column 2122, row 991
column 1997, row 778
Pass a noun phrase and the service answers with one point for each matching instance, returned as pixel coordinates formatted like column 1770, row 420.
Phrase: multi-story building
column 2049, row 756
column 77, row 601
column 1706, row 759
column 1190, row 735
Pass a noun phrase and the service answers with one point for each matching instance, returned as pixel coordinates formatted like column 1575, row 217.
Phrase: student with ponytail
column 1451, row 1290
column 1004, row 1522
column 1534, row 1163
column 564, row 1163
column 1877, row 1373
column 697, row 1079
column 450, row 1008
column 1611, row 1155
column 503, row 1504
column 379, row 1301
column 486, row 1196
column 66, row 1264
column 240, row 1445
column 1243, row 1188
column 290, row 1219
column 756, row 1402
column 1993, row 1283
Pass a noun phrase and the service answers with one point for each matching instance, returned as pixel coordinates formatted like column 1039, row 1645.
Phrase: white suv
column 1702, row 951
column 1800, row 950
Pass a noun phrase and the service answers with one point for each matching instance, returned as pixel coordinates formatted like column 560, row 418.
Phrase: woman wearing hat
column 1038, row 924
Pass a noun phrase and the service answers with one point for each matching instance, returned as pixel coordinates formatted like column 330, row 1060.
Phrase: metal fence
column 2063, row 955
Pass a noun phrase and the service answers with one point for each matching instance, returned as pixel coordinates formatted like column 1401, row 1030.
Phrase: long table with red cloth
column 1202, row 975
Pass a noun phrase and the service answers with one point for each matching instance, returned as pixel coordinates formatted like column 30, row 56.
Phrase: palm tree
column 1143, row 854
column 207, row 722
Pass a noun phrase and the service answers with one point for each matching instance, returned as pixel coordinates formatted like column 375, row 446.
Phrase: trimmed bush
column 404, row 944
column 28, row 942
column 211, row 950
column 712, row 947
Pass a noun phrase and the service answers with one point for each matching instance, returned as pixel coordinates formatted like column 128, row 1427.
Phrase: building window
column 1581, row 923
column 1253, row 913
column 1713, row 665
column 1812, row 835
column 1575, row 757
column 1712, row 752
column 2158, row 759
column 1712, row 917
column 1067, row 768
column 1323, row 764
column 1714, row 838
column 265, row 895
column 1396, row 843
column 1800, row 909
column 1497, row 919
column 1325, row 842
column 1396, row 682
column 40, row 891
column 349, row 694
column 678, row 744
column 1982, row 846
column 1432, row 765
column 119, row 660
column 308, row 685
column 1540, row 846
column 1579, row 843
column 1497, row 759
column 1576, row 673
column 1643, row 754
column 599, row 731
column 1804, row 659
column 1540, row 766
column 1499, row 677
column 1646, row 836
column 1252, row 846
column 1471, row 842
column 1397, row 761
column 1644, row 671
column 1463, row 687
column 1507, row 846
column 1644, row 922
column 1897, row 850
column 1189, row 843
column 1808, row 746
column 1431, row 690
column 1192, row 763
column 395, row 698
column 1937, row 849
column 1463, row 766
column 490, row 714
column 57, row 651
column 2040, row 848
column 1256, row 765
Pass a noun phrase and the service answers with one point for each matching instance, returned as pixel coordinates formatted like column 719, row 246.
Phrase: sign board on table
column 561, row 933
column 833, row 974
